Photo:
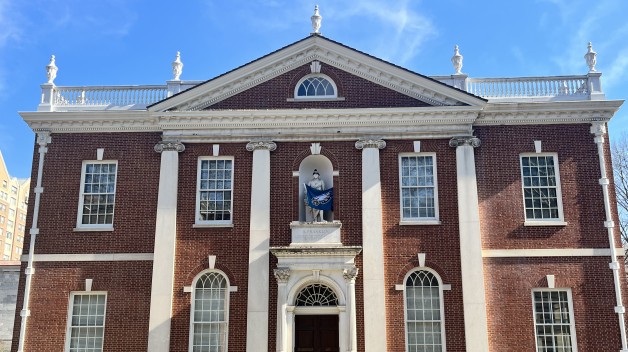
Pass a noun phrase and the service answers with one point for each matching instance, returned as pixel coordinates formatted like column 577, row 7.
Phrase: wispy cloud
column 10, row 29
column 394, row 31
column 402, row 28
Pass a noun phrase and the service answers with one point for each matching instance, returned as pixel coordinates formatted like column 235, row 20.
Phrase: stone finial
column 177, row 67
column 316, row 21
column 591, row 58
column 51, row 70
column 456, row 60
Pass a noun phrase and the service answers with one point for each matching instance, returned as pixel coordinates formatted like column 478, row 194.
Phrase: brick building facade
column 460, row 221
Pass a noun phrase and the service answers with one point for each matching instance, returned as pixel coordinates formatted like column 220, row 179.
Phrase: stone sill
column 93, row 229
column 544, row 223
column 419, row 222
column 209, row 226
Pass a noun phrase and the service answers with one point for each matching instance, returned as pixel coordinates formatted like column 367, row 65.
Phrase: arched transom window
column 210, row 313
column 424, row 315
column 315, row 86
column 316, row 295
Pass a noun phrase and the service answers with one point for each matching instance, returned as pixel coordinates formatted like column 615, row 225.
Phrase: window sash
column 214, row 195
column 316, row 86
column 86, row 322
column 540, row 182
column 209, row 318
column 97, row 194
column 554, row 327
column 418, row 190
column 423, row 309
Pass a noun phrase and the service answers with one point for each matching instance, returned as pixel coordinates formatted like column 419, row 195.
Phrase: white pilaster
column 259, row 245
column 349, row 275
column 599, row 130
column 282, row 275
column 475, row 321
column 164, row 254
column 373, row 247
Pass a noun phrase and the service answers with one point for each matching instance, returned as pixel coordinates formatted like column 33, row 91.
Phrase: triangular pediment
column 422, row 90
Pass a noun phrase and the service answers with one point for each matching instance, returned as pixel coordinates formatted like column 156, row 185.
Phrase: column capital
column 370, row 143
column 261, row 145
column 598, row 128
column 43, row 138
column 462, row 141
column 169, row 146
column 349, row 274
column 282, row 275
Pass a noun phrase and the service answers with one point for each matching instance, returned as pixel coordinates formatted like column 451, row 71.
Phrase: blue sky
column 118, row 42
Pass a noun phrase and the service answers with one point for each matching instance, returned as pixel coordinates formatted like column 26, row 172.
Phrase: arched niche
column 306, row 169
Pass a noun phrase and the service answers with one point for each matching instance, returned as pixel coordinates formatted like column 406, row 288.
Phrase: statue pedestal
column 315, row 234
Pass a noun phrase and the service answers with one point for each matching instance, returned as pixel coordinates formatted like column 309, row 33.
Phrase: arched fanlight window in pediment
column 315, row 86
column 316, row 295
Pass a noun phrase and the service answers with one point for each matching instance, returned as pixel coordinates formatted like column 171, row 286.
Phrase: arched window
column 424, row 312
column 316, row 295
column 210, row 312
column 315, row 86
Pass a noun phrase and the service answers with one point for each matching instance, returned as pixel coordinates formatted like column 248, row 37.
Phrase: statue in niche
column 317, row 198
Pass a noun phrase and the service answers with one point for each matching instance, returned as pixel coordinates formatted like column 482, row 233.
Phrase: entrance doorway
column 316, row 333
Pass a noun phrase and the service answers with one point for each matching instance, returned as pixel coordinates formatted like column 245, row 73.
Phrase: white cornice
column 322, row 124
column 91, row 121
column 308, row 50
column 548, row 113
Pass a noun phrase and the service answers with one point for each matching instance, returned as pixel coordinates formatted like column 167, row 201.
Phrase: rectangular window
column 13, row 202
column 86, row 322
column 98, row 192
column 7, row 247
column 418, row 187
column 4, row 183
column 10, row 224
column 553, row 320
column 541, row 187
column 2, row 219
column 6, row 257
column 13, row 189
column 19, row 239
column 9, row 235
column 3, row 207
column 11, row 213
column 215, row 190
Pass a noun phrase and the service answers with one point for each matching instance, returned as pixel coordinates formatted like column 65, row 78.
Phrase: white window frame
column 560, row 221
column 435, row 220
column 68, row 331
column 79, row 214
column 192, row 307
column 442, row 306
column 213, row 223
column 572, row 322
column 315, row 97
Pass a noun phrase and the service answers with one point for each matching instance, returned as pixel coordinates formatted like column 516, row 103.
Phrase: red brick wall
column 229, row 245
column 509, row 283
column 136, row 193
column 439, row 242
column 358, row 93
column 128, row 287
column 500, row 193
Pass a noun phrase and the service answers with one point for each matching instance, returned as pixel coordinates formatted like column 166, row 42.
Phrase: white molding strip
column 550, row 252
column 91, row 257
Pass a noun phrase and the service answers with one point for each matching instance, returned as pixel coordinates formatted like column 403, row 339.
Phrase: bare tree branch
column 619, row 151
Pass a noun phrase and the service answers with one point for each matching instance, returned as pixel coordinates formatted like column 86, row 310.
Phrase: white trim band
column 558, row 252
column 92, row 257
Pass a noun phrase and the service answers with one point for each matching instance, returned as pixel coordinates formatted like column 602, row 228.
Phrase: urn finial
column 51, row 70
column 316, row 21
column 591, row 58
column 456, row 60
column 177, row 67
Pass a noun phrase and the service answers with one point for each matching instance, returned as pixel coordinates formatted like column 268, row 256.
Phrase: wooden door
column 316, row 333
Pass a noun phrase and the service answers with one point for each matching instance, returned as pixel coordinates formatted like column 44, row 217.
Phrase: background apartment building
column 13, row 205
